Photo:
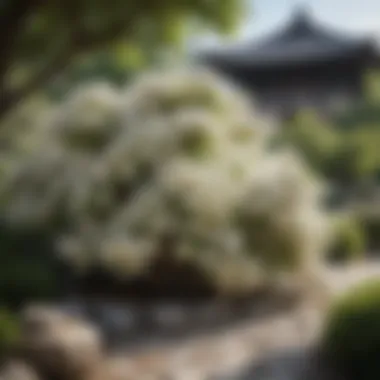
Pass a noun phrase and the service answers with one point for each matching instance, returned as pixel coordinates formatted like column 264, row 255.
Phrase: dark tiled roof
column 301, row 41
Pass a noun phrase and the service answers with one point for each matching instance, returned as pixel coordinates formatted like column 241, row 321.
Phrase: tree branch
column 11, row 99
column 88, row 42
column 11, row 22
column 78, row 42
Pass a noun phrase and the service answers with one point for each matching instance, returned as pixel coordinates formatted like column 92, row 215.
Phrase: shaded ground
column 131, row 326
column 250, row 341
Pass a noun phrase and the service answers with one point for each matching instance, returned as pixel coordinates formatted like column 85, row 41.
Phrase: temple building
column 302, row 65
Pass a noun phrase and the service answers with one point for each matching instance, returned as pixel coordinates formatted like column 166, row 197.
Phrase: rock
column 18, row 370
column 59, row 345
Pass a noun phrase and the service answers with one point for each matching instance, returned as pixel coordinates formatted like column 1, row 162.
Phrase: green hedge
column 351, row 340
column 349, row 242
column 372, row 228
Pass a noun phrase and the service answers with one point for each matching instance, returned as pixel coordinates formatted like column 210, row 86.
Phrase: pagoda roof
column 301, row 41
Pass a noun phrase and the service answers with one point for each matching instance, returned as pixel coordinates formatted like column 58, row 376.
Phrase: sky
column 356, row 17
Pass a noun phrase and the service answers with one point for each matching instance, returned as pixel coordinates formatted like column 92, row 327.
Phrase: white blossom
column 180, row 154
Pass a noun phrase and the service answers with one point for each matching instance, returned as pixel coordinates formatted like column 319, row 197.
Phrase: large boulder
column 60, row 345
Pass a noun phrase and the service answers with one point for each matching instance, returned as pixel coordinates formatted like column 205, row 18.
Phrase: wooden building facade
column 303, row 65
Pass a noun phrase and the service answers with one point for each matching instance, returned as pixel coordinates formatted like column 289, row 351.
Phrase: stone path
column 340, row 279
column 215, row 356
column 270, row 348
column 271, row 345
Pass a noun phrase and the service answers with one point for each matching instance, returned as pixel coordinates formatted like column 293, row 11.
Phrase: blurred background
column 198, row 181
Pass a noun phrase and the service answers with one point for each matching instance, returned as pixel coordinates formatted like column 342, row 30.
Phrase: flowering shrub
column 180, row 157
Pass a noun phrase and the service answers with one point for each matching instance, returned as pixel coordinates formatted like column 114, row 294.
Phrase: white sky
column 354, row 16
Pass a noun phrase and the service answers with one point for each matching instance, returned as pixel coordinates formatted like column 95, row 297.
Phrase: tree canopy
column 39, row 39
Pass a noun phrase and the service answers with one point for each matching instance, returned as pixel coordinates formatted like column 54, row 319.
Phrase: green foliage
column 361, row 114
column 346, row 157
column 372, row 87
column 370, row 222
column 349, row 241
column 351, row 338
column 358, row 158
column 28, row 271
column 9, row 331
column 96, row 67
column 40, row 40
column 345, row 153
column 314, row 138
column 366, row 112
column 372, row 226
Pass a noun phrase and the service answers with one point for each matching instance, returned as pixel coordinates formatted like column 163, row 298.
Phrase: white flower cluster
column 181, row 156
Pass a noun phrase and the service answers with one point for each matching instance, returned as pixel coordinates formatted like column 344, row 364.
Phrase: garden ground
column 275, row 345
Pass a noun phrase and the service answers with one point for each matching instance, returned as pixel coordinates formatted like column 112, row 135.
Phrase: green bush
column 314, row 138
column 349, row 241
column 371, row 224
column 9, row 331
column 28, row 270
column 351, row 340
column 345, row 152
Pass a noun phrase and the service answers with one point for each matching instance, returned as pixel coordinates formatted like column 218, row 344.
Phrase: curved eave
column 301, row 42
column 298, row 55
